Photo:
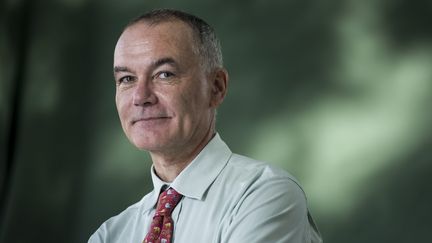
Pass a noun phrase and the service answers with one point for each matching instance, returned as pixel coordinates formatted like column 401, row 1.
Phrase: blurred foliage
column 336, row 92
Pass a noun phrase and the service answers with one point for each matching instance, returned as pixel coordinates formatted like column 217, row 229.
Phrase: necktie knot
column 168, row 200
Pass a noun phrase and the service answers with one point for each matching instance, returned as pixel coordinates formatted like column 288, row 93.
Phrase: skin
column 166, row 99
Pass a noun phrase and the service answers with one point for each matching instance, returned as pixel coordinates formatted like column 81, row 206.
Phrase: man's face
column 163, row 96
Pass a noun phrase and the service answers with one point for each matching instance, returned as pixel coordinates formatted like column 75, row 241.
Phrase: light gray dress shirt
column 228, row 198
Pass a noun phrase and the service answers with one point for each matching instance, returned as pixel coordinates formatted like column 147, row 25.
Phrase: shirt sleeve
column 273, row 210
column 100, row 236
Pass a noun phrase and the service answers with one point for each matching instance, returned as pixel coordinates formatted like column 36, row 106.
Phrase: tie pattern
column 161, row 228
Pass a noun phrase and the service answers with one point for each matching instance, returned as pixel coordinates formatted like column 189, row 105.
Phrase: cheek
column 187, row 103
column 121, row 105
column 193, row 105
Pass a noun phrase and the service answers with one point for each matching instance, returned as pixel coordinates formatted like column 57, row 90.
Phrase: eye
column 164, row 75
column 126, row 79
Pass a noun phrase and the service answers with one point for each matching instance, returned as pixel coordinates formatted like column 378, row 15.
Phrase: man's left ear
column 219, row 85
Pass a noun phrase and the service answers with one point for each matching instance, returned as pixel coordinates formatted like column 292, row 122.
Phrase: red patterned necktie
column 161, row 228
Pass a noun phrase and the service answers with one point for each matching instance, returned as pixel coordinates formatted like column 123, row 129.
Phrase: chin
column 143, row 145
column 144, row 140
column 147, row 144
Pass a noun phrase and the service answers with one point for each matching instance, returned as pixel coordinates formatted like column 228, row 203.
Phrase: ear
column 219, row 85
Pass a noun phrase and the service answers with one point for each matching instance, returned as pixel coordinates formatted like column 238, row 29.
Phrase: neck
column 169, row 165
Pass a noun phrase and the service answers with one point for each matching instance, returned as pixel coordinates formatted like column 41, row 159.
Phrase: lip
column 150, row 119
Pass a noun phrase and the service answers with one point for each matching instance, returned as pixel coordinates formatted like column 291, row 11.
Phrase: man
column 170, row 80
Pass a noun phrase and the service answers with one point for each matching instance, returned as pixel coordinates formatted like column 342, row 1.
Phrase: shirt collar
column 196, row 178
column 151, row 199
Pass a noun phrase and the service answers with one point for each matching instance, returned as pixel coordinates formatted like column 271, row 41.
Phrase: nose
column 143, row 94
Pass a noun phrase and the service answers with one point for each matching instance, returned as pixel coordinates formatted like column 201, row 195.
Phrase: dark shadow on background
column 408, row 22
column 48, row 178
column 17, row 23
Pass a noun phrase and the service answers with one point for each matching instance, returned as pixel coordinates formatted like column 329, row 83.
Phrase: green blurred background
column 336, row 92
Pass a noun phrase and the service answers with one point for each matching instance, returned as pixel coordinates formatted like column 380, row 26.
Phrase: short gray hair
column 209, row 47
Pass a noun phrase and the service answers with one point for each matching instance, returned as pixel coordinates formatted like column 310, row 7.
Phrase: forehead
column 171, row 37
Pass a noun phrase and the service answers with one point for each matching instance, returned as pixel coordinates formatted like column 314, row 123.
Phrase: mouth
column 150, row 119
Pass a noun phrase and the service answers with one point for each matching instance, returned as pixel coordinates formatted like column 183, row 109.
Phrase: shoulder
column 251, row 183
column 269, row 205
column 115, row 225
column 253, row 173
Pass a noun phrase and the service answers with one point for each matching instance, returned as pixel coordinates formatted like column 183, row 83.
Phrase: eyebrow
column 163, row 61
column 118, row 69
column 155, row 64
